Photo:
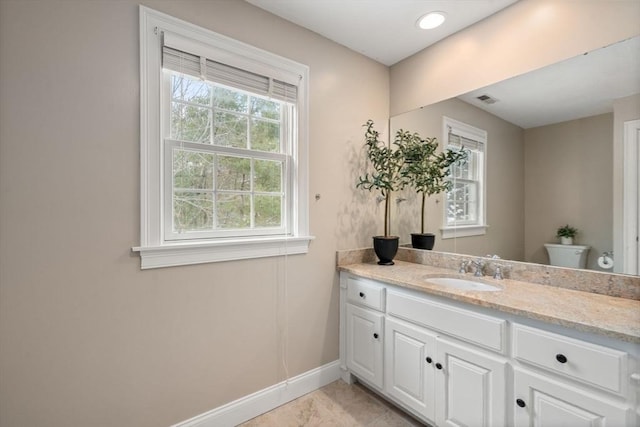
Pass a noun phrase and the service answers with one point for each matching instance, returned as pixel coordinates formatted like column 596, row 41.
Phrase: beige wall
column 568, row 180
column 505, row 200
column 86, row 337
column 528, row 35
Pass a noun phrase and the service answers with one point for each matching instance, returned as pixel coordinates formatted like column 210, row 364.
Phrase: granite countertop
column 610, row 316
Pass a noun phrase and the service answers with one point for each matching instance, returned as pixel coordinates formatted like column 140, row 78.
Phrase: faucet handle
column 479, row 264
column 463, row 267
column 499, row 271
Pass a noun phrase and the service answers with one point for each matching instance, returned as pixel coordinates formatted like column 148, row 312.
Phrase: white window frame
column 209, row 148
column 155, row 249
column 480, row 226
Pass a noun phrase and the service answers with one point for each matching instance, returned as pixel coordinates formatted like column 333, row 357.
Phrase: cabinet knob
column 429, row 360
column 561, row 358
column 520, row 403
column 361, row 294
column 438, row 365
column 375, row 335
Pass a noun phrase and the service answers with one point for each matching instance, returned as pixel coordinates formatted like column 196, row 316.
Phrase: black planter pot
column 423, row 241
column 386, row 248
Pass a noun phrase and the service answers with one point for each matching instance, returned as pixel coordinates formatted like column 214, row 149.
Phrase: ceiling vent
column 487, row 99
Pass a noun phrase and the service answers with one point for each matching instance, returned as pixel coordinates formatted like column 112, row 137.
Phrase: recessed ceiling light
column 431, row 20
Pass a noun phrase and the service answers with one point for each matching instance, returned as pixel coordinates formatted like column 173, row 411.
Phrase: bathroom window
column 223, row 147
column 464, row 207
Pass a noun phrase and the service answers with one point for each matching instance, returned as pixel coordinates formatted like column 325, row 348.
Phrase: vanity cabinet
column 544, row 401
column 365, row 343
column 409, row 366
column 445, row 382
column 365, row 329
column 452, row 364
column 470, row 387
column 564, row 381
column 594, row 365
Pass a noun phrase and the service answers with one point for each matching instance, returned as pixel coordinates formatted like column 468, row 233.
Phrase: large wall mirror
column 555, row 156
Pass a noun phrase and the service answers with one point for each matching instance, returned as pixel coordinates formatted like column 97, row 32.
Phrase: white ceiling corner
column 384, row 30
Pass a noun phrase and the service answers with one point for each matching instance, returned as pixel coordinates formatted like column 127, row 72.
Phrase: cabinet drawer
column 586, row 362
column 480, row 329
column 366, row 293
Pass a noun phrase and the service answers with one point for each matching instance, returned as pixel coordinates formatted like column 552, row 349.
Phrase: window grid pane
column 215, row 191
column 192, row 211
column 464, row 203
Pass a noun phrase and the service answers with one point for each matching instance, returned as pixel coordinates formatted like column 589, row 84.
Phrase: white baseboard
column 262, row 401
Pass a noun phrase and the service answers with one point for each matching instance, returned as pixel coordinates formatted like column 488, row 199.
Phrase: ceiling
column 578, row 87
column 384, row 30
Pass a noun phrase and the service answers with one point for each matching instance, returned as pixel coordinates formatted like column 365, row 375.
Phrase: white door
column 410, row 365
column 470, row 387
column 365, row 343
column 631, row 199
column 542, row 402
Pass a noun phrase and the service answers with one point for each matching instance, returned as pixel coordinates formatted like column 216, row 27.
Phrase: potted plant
column 566, row 234
column 426, row 171
column 386, row 162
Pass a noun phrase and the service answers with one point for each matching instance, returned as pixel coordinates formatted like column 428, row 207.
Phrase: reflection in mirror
column 555, row 138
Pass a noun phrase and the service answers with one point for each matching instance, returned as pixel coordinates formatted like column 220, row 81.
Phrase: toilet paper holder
column 605, row 261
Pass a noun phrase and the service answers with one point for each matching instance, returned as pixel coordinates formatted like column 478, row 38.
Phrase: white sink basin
column 463, row 284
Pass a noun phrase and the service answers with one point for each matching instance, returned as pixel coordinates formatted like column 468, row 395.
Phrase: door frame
column 631, row 199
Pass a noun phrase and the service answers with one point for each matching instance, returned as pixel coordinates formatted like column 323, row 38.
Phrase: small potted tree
column 566, row 234
column 426, row 171
column 386, row 162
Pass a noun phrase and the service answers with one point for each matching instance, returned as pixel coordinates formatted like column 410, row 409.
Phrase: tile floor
column 336, row 405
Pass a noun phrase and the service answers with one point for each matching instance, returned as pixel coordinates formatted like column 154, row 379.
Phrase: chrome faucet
column 463, row 267
column 479, row 265
column 498, row 273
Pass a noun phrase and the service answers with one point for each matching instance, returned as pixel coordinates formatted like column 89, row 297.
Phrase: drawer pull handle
column 561, row 358
column 520, row 403
column 429, row 360
column 375, row 335
column 362, row 295
column 438, row 365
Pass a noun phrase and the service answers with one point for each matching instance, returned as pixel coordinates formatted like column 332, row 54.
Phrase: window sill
column 175, row 254
column 463, row 231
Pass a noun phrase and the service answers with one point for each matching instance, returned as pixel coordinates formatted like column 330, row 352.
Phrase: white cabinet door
column 409, row 366
column 543, row 402
column 470, row 387
column 365, row 343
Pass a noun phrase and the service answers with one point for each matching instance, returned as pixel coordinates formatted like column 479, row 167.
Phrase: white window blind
column 208, row 69
column 459, row 141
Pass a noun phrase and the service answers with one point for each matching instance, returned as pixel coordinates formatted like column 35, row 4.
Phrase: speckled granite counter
column 606, row 315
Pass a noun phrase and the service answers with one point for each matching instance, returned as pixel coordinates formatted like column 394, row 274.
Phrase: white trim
column 187, row 253
column 463, row 129
column 229, row 51
column 630, row 199
column 345, row 374
column 155, row 249
column 258, row 403
column 463, row 231
column 470, row 132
